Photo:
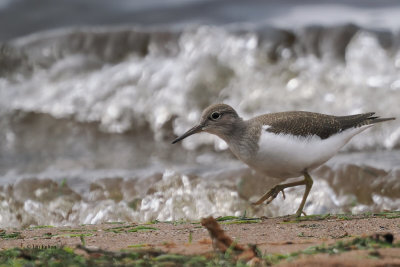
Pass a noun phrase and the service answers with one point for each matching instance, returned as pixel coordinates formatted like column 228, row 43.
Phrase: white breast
column 285, row 155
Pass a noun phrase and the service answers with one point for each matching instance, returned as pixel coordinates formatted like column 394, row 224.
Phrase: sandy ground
column 271, row 235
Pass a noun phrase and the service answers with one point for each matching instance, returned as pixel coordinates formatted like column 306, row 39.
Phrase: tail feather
column 360, row 120
column 373, row 120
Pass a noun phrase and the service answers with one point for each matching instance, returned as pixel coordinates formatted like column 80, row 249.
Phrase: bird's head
column 218, row 119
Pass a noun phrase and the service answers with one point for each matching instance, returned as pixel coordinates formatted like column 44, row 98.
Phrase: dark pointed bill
column 195, row 129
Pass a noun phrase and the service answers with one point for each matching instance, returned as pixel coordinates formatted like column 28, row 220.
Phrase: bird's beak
column 196, row 129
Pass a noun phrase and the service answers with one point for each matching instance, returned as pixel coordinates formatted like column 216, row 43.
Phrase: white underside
column 286, row 156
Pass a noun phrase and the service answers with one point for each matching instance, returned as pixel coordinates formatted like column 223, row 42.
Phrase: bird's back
column 295, row 141
column 303, row 123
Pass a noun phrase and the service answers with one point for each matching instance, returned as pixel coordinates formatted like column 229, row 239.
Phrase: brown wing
column 302, row 123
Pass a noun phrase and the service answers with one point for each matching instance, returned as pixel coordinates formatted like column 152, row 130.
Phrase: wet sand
column 272, row 236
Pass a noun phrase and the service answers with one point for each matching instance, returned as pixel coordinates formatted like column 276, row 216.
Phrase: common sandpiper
column 285, row 144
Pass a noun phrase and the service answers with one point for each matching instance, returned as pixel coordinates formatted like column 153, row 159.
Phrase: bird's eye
column 215, row 115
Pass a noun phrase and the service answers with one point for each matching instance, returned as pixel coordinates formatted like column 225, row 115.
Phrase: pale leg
column 308, row 182
column 273, row 193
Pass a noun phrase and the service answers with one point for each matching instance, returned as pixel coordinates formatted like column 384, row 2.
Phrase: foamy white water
column 87, row 117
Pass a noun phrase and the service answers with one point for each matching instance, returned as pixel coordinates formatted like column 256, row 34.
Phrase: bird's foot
column 290, row 218
column 293, row 217
column 271, row 195
column 275, row 195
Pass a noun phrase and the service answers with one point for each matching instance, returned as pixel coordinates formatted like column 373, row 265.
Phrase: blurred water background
column 92, row 93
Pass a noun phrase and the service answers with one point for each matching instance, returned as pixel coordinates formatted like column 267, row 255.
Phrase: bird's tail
column 373, row 119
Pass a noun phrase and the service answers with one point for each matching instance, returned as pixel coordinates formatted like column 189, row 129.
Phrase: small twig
column 220, row 240
column 224, row 243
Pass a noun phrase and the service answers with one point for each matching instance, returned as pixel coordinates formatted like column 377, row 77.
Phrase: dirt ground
column 271, row 235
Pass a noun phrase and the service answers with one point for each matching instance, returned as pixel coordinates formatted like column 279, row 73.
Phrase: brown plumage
column 302, row 123
column 284, row 144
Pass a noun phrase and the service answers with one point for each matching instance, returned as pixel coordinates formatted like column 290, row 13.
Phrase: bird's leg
column 308, row 182
column 273, row 193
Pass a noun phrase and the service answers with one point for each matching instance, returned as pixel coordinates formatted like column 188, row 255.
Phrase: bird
column 284, row 144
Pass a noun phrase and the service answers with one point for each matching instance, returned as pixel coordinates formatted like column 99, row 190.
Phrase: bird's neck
column 233, row 132
column 241, row 140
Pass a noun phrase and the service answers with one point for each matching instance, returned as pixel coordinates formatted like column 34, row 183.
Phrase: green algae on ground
column 367, row 215
column 388, row 214
column 75, row 235
column 47, row 235
column 190, row 239
column 226, row 218
column 83, row 241
column 77, row 230
column 40, row 227
column 358, row 243
column 142, row 228
column 13, row 235
column 139, row 246
column 41, row 257
column 50, row 235
column 318, row 217
column 152, row 222
column 241, row 221
column 130, row 228
column 344, row 217
column 65, row 256
column 237, row 220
